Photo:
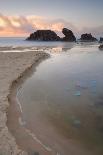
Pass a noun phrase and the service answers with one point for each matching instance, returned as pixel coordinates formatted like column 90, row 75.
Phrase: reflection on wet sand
column 62, row 49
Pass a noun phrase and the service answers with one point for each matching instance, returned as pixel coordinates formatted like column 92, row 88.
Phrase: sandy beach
column 12, row 65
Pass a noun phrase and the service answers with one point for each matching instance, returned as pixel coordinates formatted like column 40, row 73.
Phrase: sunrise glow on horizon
column 20, row 18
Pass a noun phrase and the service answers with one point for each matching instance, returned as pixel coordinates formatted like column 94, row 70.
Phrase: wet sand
column 12, row 65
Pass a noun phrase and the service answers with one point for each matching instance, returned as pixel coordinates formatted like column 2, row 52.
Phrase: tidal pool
column 62, row 101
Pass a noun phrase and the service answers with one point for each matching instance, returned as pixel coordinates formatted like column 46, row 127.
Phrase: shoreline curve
column 12, row 67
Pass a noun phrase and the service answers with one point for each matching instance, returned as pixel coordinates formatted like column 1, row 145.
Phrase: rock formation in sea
column 44, row 35
column 87, row 37
column 101, row 39
column 101, row 47
column 48, row 35
column 69, row 36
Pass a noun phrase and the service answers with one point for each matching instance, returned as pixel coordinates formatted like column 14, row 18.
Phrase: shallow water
column 21, row 41
column 62, row 102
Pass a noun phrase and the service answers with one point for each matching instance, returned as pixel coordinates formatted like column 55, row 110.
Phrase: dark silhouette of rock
column 44, row 35
column 101, row 47
column 69, row 36
column 48, row 35
column 101, row 40
column 87, row 37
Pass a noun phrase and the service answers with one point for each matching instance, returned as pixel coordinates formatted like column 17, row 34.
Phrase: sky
column 21, row 17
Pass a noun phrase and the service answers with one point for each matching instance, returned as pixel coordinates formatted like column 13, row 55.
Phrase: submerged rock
column 87, row 37
column 69, row 36
column 44, row 35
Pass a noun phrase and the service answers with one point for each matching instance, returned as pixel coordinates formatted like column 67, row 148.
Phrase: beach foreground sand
column 12, row 65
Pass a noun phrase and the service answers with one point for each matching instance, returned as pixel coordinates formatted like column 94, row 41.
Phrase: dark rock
column 69, row 36
column 101, row 40
column 87, row 37
column 101, row 47
column 44, row 35
column 48, row 35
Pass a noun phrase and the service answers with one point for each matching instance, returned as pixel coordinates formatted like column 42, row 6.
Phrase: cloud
column 24, row 25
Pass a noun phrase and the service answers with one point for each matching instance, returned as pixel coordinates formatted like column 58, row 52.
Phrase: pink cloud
column 24, row 25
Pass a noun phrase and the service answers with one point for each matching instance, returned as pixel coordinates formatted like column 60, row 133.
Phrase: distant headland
column 49, row 35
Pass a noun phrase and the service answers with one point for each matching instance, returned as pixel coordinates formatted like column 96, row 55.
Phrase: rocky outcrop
column 69, row 36
column 48, row 35
column 87, row 37
column 101, row 47
column 101, row 40
column 44, row 35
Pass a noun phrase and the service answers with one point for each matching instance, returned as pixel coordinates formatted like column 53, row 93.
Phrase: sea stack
column 69, row 36
column 44, row 35
column 87, row 37
column 49, row 35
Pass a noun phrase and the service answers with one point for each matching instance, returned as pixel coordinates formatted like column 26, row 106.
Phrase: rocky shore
column 87, row 37
column 101, row 47
column 12, row 65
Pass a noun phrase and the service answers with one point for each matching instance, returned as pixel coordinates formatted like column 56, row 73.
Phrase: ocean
column 21, row 41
